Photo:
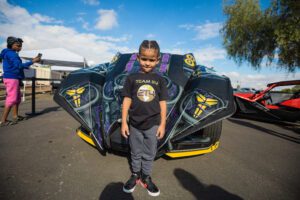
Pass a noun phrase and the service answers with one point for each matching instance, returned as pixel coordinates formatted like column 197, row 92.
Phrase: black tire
column 213, row 132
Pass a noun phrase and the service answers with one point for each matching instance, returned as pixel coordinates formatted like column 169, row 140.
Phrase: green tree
column 296, row 88
column 251, row 34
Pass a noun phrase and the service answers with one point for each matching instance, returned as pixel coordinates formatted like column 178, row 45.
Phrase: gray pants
column 143, row 144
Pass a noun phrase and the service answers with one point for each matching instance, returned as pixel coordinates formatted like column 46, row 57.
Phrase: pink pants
column 13, row 93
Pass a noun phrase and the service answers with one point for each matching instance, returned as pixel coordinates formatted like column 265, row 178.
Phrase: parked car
column 247, row 90
column 198, row 102
column 271, row 103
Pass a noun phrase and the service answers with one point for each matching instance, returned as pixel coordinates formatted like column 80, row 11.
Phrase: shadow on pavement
column 51, row 109
column 201, row 191
column 292, row 126
column 44, row 111
column 265, row 130
column 296, row 129
column 114, row 191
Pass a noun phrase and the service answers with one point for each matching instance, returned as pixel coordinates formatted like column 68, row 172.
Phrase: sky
column 98, row 29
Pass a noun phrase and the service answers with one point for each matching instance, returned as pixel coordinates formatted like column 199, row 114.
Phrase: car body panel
column 198, row 98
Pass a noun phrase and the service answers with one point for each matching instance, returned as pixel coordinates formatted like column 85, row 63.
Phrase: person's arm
column 163, row 115
column 126, row 93
column 163, row 96
column 17, row 62
column 125, row 107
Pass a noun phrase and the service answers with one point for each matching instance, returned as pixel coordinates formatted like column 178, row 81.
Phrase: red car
column 279, row 101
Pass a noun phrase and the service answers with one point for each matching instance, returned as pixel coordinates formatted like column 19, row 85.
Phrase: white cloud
column 187, row 26
column 205, row 31
column 107, row 19
column 209, row 54
column 150, row 36
column 81, row 13
column 257, row 80
column 124, row 38
column 179, row 43
column 85, row 24
column 46, row 19
column 91, row 2
column 17, row 21
column 174, row 51
column 121, row 6
column 208, row 30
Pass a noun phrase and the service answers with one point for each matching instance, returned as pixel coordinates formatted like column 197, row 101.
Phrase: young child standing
column 145, row 94
column 13, row 69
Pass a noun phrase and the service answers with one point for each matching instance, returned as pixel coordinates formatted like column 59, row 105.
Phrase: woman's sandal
column 19, row 118
column 7, row 123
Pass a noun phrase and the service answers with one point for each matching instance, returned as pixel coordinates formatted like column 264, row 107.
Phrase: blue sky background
column 97, row 29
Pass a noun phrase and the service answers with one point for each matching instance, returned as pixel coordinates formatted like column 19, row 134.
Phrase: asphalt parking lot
column 43, row 158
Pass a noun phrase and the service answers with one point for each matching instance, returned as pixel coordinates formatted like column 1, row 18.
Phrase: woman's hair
column 149, row 44
column 11, row 40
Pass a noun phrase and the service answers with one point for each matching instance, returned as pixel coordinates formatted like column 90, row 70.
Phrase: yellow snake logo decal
column 203, row 103
column 75, row 93
column 114, row 59
column 190, row 60
column 196, row 73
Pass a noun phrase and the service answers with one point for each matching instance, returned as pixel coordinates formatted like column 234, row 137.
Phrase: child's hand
column 36, row 59
column 124, row 130
column 160, row 132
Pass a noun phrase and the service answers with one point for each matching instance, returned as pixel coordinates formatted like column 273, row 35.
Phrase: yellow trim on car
column 174, row 154
column 85, row 137
column 193, row 153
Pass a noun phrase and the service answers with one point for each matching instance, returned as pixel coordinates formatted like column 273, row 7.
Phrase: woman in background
column 13, row 74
